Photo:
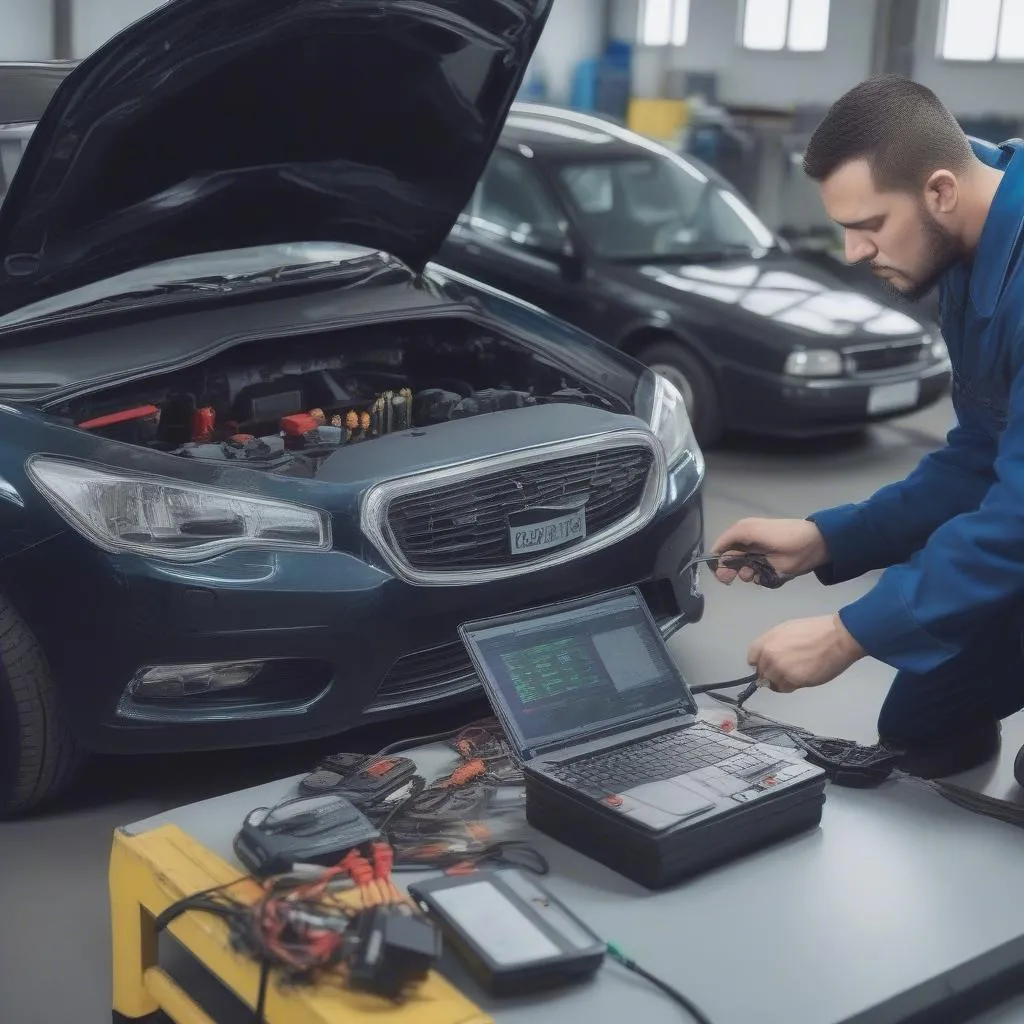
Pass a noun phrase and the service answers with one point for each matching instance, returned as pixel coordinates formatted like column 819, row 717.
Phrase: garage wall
column 573, row 33
column 95, row 21
column 969, row 90
column 761, row 79
column 26, row 30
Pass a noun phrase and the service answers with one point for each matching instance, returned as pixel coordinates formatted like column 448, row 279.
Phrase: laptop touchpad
column 671, row 798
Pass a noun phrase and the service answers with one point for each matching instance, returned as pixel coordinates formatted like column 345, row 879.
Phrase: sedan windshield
column 653, row 206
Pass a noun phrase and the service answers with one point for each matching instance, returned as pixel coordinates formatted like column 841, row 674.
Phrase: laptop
column 593, row 705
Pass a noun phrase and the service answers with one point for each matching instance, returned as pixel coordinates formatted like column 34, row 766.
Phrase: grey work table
column 898, row 900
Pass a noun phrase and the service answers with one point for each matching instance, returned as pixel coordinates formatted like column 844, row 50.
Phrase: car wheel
column 694, row 382
column 39, row 757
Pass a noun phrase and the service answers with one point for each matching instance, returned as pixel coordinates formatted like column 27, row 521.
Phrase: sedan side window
column 512, row 203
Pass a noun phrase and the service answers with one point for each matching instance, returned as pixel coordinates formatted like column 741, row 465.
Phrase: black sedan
column 259, row 458
column 656, row 254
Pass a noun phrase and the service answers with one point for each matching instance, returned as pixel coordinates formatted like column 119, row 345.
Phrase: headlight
column 814, row 363
column 671, row 424
column 172, row 521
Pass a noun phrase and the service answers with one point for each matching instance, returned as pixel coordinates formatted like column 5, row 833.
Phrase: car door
column 515, row 236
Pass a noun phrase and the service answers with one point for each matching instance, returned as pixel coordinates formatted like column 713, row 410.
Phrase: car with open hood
column 259, row 456
column 656, row 254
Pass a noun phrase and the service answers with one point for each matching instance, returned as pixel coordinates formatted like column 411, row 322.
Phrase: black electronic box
column 514, row 936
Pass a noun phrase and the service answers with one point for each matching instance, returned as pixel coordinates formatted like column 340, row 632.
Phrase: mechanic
column 925, row 206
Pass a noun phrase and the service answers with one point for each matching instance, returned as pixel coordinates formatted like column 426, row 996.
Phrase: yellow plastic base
column 150, row 872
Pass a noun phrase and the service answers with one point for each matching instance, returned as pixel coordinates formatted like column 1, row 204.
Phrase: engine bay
column 286, row 405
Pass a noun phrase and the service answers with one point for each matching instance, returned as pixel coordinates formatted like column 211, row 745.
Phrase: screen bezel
column 525, row 749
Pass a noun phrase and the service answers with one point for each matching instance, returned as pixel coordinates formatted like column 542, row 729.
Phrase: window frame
column 785, row 49
column 990, row 62
column 671, row 42
column 471, row 220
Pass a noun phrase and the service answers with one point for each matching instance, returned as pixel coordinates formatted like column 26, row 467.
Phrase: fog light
column 170, row 682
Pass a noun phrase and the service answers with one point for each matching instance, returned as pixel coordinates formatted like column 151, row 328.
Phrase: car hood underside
column 222, row 124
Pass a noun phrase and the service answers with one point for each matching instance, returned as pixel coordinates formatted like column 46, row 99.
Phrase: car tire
column 39, row 757
column 688, row 373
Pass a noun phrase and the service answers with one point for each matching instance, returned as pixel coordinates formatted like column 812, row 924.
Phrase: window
column 512, row 202
column 982, row 30
column 664, row 22
column 800, row 26
column 646, row 207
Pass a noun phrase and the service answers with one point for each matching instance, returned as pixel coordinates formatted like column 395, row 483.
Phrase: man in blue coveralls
column 925, row 206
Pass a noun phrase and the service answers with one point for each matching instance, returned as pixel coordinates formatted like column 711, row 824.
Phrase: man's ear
column 941, row 193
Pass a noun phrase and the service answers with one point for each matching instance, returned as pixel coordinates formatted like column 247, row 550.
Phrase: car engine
column 288, row 415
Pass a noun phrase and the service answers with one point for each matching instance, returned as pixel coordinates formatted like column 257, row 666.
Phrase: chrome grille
column 464, row 526
column 867, row 359
column 427, row 674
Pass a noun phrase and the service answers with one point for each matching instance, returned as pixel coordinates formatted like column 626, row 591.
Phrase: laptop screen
column 560, row 675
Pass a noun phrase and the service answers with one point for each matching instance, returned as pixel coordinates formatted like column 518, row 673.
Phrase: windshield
column 651, row 206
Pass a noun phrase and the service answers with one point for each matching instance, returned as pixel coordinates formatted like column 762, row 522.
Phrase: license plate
column 890, row 397
column 541, row 529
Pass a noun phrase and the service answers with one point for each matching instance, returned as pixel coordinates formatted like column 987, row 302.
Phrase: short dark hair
column 900, row 127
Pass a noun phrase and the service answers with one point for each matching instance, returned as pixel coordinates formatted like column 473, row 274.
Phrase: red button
column 613, row 800
column 769, row 780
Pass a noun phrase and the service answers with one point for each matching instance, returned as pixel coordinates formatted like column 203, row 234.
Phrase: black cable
column 698, row 1015
column 711, row 687
column 260, row 1015
column 1006, row 811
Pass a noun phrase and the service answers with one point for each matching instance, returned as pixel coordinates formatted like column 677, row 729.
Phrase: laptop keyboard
column 650, row 760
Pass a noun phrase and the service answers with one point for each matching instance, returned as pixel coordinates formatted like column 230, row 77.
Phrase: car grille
column 891, row 356
column 464, row 525
column 426, row 675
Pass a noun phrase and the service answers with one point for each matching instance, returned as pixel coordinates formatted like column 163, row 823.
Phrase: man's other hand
column 794, row 547
column 804, row 652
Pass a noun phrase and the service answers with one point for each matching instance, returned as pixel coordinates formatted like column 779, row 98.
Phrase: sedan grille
column 465, row 525
column 891, row 356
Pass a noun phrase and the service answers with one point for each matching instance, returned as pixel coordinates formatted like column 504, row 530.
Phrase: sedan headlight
column 162, row 519
column 814, row 363
column 671, row 424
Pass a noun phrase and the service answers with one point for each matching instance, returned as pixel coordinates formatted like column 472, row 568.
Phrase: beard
column 942, row 252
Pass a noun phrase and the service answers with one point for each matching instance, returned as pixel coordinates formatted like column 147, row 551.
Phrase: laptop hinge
column 668, row 718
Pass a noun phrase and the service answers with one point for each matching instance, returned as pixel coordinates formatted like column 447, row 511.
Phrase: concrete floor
column 54, row 947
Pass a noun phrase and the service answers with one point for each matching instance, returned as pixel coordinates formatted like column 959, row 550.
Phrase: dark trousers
column 985, row 681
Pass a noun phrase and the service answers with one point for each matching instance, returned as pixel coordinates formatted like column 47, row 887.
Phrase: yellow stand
column 152, row 871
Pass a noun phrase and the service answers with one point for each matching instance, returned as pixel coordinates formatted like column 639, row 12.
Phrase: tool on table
column 515, row 936
column 304, row 830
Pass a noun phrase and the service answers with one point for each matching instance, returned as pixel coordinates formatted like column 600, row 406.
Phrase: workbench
column 896, row 903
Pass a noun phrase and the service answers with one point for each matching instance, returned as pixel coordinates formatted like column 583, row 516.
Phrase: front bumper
column 799, row 407
column 361, row 644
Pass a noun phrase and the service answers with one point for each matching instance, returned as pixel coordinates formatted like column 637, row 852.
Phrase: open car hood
column 223, row 124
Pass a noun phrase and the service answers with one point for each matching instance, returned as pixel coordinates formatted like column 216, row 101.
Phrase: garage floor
column 54, row 959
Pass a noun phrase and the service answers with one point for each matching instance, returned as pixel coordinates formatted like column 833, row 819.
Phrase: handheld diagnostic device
column 304, row 830
column 514, row 936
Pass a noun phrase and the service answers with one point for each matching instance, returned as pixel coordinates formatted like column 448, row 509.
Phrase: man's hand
column 793, row 546
column 804, row 652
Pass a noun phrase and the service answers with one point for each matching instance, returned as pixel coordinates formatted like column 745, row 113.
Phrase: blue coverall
column 948, row 612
